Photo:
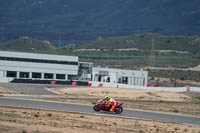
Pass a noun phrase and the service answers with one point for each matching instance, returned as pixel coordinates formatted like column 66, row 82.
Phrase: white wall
column 113, row 77
column 5, row 80
column 169, row 89
column 1, row 73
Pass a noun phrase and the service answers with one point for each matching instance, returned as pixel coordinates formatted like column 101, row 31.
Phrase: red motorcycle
column 100, row 105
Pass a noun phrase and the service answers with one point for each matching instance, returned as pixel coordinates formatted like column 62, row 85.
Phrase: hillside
column 26, row 44
column 136, row 42
column 81, row 21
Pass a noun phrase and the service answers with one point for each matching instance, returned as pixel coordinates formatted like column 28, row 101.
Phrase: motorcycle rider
column 109, row 101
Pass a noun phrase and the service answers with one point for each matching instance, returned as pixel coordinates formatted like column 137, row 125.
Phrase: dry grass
column 125, row 93
column 16, row 120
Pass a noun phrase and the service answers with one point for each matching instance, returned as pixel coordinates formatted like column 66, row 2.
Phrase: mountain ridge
column 83, row 21
column 135, row 42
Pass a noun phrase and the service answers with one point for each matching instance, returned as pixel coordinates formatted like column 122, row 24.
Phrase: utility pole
column 153, row 52
column 59, row 42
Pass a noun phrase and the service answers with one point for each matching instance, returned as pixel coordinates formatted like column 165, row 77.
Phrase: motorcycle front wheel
column 118, row 110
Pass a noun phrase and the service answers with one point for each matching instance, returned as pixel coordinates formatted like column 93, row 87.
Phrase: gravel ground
column 19, row 120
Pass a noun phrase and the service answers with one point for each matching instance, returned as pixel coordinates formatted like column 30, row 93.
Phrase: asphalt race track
column 58, row 106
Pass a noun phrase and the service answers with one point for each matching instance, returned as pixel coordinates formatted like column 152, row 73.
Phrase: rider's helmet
column 107, row 98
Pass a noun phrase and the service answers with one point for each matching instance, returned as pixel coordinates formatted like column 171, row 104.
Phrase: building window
column 60, row 76
column 124, row 80
column 130, row 80
column 108, row 79
column 72, row 77
column 134, row 81
column 12, row 74
column 24, row 75
column 143, row 82
column 48, row 76
column 36, row 75
column 119, row 80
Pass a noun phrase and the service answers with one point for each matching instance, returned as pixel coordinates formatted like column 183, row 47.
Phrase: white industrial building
column 19, row 65
column 120, row 76
column 37, row 66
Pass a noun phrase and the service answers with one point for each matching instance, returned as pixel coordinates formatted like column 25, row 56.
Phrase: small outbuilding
column 120, row 76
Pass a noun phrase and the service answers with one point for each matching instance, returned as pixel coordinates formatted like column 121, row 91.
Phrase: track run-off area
column 127, row 113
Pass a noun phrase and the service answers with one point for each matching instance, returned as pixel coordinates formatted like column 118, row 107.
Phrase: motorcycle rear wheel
column 96, row 108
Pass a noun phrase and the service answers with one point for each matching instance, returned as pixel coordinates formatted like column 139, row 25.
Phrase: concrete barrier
column 6, row 80
column 169, row 89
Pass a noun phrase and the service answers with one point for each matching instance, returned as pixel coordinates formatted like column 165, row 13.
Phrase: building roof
column 38, row 56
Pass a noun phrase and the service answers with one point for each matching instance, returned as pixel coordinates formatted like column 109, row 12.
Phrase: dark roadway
column 39, row 104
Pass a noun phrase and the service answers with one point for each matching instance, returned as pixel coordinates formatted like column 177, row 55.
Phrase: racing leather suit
column 111, row 102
